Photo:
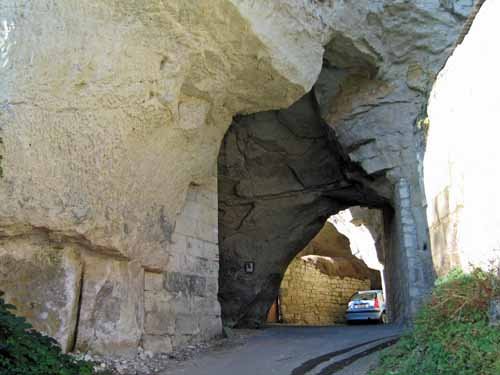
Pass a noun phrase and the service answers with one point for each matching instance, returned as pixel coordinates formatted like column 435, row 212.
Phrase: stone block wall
column 311, row 297
column 181, row 304
column 107, row 303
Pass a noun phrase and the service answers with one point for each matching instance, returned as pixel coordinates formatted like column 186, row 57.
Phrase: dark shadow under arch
column 281, row 175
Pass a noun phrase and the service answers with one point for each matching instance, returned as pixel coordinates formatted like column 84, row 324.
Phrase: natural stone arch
column 281, row 175
column 372, row 92
column 102, row 147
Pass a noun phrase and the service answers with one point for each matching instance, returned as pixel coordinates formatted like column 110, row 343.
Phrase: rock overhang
column 113, row 145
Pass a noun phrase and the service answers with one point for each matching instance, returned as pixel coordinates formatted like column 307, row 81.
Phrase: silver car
column 366, row 305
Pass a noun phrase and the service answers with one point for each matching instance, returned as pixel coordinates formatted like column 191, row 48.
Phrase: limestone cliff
column 112, row 113
column 461, row 162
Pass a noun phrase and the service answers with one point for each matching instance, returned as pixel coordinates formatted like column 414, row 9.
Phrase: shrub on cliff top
column 24, row 351
column 451, row 334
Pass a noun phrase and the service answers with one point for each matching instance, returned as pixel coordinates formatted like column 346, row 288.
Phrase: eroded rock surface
column 107, row 122
column 374, row 88
column 373, row 92
column 110, row 112
column 112, row 306
column 335, row 254
column 366, row 233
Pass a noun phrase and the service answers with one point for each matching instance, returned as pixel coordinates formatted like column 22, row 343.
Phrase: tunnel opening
column 340, row 261
column 281, row 175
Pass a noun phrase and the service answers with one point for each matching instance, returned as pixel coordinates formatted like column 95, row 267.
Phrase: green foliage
column 24, row 351
column 451, row 334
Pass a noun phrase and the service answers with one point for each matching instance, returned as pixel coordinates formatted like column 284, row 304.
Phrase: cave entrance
column 339, row 261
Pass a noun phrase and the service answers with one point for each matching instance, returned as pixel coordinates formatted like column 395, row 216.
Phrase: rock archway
column 107, row 153
column 281, row 175
column 358, row 138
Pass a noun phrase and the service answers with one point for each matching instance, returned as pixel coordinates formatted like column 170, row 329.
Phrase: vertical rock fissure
column 78, row 311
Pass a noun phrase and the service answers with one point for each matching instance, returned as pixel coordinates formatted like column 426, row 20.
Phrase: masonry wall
column 121, row 304
column 181, row 304
column 311, row 297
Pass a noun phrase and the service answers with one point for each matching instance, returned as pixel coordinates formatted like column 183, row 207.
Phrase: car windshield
column 364, row 297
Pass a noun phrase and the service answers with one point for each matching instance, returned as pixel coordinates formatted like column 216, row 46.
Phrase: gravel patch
column 148, row 363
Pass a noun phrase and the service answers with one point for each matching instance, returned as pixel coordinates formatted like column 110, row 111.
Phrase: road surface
column 285, row 350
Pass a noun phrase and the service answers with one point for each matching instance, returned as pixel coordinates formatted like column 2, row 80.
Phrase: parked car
column 366, row 305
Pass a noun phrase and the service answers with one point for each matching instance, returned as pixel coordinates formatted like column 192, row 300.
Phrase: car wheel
column 383, row 318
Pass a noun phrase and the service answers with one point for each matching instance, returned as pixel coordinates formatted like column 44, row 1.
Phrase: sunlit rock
column 462, row 155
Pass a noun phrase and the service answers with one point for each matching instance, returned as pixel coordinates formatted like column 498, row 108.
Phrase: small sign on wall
column 249, row 267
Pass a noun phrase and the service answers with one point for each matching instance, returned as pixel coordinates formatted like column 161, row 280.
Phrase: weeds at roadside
column 452, row 334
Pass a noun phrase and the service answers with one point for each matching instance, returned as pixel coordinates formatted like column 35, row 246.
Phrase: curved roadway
column 286, row 350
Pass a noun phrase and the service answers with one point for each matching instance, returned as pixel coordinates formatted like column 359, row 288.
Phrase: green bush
column 24, row 351
column 451, row 335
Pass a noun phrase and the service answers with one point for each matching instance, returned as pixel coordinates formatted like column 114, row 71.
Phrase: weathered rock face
column 461, row 161
column 111, row 117
column 111, row 114
column 112, row 307
column 329, row 242
column 46, row 285
column 364, row 229
column 378, row 76
column 335, row 255
column 92, row 139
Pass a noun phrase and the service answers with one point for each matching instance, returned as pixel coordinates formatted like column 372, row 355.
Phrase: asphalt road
column 286, row 350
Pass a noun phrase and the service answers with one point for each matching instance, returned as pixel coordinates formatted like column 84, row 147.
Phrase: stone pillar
column 406, row 261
